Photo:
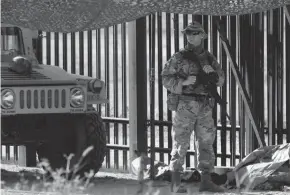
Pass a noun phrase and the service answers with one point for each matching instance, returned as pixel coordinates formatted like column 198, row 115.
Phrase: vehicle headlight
column 77, row 97
column 7, row 99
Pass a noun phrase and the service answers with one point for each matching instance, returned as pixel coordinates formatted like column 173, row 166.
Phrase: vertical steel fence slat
column 48, row 56
column 271, row 80
column 108, row 157
column 197, row 18
column 15, row 150
column 124, row 92
column 185, row 24
column 98, row 54
column 98, row 59
column 124, row 71
column 287, row 69
column 241, row 116
column 250, row 69
column 152, row 88
column 248, row 72
column 233, row 97
column 64, row 49
column 73, row 53
column 56, row 49
column 81, row 53
column 149, row 51
column 205, row 26
column 168, row 55
column 260, row 76
column 107, row 68
column 115, row 69
column 90, row 53
column 262, row 73
column 115, row 88
column 176, row 32
column 39, row 52
column 160, row 86
column 279, row 60
column 275, row 68
column 8, row 152
column 255, row 77
column 107, row 81
column 276, row 64
column 254, row 65
column 142, row 85
column 116, row 141
column 214, row 36
column 260, row 62
column 245, row 60
column 223, row 108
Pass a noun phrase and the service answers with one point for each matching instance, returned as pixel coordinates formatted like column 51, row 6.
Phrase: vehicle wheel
column 74, row 135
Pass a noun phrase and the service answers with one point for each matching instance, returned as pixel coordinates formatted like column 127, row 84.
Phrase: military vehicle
column 47, row 109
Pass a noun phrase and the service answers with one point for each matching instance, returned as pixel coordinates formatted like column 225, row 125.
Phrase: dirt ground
column 104, row 183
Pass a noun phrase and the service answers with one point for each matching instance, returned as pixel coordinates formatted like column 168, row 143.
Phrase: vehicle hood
column 41, row 75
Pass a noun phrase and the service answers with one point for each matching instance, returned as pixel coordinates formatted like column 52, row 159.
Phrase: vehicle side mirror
column 21, row 65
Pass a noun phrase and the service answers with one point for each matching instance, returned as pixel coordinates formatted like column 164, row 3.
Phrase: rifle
column 209, row 80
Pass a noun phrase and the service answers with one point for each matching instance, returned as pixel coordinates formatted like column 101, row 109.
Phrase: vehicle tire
column 74, row 135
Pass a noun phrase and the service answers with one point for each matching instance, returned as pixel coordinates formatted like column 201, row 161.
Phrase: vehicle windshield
column 11, row 41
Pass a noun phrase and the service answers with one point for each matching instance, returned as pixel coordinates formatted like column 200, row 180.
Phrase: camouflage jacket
column 177, row 69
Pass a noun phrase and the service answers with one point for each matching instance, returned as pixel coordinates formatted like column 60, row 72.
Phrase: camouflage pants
column 193, row 115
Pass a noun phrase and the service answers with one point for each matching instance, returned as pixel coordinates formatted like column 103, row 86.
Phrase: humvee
column 47, row 109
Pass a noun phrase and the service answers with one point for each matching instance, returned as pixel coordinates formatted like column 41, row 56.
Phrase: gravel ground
column 104, row 183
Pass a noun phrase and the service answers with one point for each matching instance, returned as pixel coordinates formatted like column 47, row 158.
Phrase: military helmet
column 194, row 27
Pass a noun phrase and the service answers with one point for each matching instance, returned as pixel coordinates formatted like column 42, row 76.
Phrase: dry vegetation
column 46, row 181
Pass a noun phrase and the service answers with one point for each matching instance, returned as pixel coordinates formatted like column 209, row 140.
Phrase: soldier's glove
column 191, row 80
column 208, row 69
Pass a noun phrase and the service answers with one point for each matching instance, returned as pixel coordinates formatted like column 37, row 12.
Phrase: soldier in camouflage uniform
column 193, row 105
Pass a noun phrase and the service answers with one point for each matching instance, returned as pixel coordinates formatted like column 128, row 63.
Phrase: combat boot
column 176, row 186
column 206, row 184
